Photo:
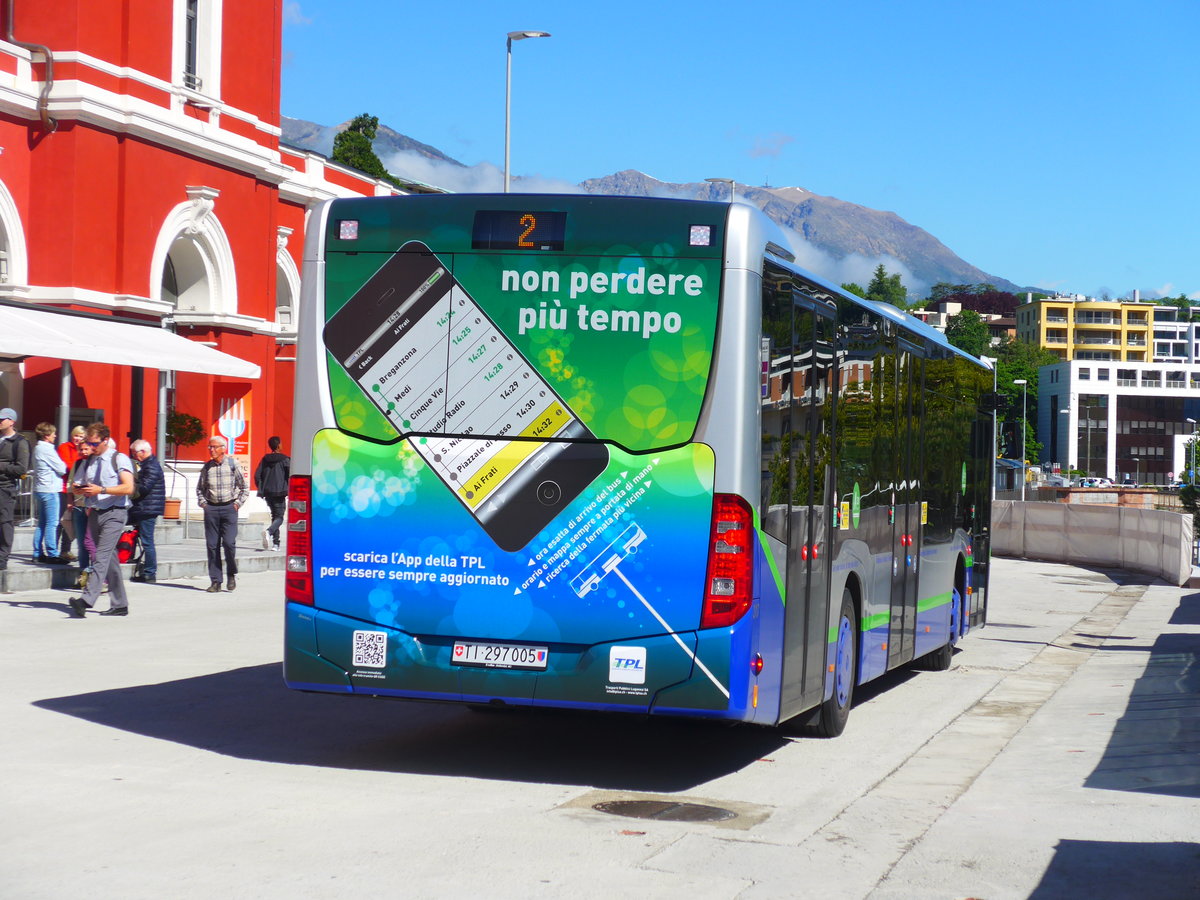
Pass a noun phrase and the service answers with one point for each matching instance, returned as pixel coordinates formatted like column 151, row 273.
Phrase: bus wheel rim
column 842, row 675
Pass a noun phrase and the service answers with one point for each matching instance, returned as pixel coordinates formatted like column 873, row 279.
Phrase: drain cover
column 665, row 810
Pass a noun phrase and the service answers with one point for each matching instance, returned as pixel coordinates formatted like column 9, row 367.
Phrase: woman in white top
column 48, row 472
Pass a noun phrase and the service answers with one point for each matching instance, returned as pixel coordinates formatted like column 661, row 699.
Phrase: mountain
column 319, row 138
column 836, row 227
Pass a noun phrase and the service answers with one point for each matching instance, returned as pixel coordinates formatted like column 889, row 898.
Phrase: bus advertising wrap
column 514, row 456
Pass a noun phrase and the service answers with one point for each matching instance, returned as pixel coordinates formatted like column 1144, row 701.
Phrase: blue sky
column 1055, row 144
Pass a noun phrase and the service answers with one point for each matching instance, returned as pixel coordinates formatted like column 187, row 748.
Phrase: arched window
column 287, row 283
column 14, row 263
column 194, row 261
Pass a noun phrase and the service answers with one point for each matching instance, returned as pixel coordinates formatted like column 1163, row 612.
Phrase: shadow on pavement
column 1113, row 869
column 1188, row 611
column 249, row 714
column 1155, row 747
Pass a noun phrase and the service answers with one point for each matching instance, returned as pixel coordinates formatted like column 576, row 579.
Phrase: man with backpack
column 271, row 480
column 221, row 491
column 106, row 483
column 14, row 464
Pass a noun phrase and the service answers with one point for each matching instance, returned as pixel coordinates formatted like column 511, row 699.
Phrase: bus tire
column 939, row 660
column 836, row 710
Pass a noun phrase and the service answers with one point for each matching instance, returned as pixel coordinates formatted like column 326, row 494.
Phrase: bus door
column 906, row 529
column 807, row 614
column 980, row 498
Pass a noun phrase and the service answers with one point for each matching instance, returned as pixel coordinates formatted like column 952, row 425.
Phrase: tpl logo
column 627, row 665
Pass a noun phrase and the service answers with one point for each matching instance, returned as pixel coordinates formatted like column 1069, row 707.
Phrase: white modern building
column 1176, row 338
column 1128, row 421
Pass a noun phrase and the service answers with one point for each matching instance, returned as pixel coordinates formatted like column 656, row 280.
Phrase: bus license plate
column 499, row 656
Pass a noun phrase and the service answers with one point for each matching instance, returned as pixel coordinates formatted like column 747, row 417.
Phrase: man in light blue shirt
column 106, row 484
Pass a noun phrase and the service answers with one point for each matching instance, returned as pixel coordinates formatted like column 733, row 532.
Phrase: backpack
column 128, row 545
column 15, row 451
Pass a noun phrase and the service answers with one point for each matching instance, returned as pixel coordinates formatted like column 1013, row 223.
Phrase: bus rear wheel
column 836, row 710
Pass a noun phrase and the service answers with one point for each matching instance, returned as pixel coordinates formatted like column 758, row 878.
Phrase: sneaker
column 276, row 545
column 266, row 540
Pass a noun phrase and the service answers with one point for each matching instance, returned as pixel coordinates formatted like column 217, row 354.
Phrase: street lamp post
column 1137, row 470
column 1192, row 468
column 1024, row 395
column 729, row 181
column 1067, row 430
column 512, row 36
column 1087, row 411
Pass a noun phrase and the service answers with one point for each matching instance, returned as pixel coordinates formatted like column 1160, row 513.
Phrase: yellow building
column 1078, row 328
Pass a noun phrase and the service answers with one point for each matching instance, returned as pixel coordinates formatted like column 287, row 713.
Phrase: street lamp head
column 1020, row 381
column 1193, row 421
column 521, row 35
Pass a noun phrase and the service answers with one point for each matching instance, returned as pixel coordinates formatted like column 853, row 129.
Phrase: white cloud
column 487, row 178
column 292, row 15
column 481, row 179
column 771, row 144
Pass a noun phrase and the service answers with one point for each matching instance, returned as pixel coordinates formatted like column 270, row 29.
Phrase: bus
column 620, row 454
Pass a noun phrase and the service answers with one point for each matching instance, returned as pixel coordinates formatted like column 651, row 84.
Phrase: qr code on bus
column 370, row 649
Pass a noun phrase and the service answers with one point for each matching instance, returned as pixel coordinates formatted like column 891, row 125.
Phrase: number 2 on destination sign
column 531, row 223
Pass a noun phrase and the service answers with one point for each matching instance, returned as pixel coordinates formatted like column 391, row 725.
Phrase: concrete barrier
column 1157, row 542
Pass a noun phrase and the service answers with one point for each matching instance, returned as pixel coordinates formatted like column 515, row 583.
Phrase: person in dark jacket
column 151, row 494
column 15, row 462
column 271, row 481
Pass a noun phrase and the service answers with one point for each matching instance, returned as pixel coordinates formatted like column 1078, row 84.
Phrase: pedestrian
column 48, row 472
column 69, row 453
column 221, row 491
column 107, row 485
column 149, row 500
column 14, row 464
column 79, row 514
column 271, row 481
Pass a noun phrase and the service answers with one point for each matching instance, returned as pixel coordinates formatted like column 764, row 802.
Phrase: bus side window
column 776, row 362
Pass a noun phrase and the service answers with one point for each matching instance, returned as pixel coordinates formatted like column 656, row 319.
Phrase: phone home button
column 549, row 493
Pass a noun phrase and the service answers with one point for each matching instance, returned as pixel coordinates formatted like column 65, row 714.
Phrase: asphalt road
column 159, row 755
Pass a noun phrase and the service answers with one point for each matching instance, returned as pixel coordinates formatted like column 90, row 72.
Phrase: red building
column 145, row 200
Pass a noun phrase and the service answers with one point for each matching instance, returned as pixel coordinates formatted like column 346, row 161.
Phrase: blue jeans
column 145, row 527
column 45, row 532
column 81, row 532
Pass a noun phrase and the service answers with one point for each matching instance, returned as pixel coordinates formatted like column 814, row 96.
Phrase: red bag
column 127, row 544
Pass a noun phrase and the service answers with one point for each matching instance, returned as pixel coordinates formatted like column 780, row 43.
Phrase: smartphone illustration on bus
column 476, row 410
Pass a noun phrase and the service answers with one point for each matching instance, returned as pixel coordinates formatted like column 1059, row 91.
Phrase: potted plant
column 183, row 430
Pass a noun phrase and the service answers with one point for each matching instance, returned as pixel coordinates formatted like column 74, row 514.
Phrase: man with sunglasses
column 106, row 484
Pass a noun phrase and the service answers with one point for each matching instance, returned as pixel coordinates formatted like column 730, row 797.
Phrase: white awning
column 36, row 332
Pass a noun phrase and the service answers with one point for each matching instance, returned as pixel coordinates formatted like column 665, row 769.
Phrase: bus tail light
column 298, row 583
column 730, row 579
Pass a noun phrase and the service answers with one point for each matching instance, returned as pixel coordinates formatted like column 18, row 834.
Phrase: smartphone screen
column 476, row 410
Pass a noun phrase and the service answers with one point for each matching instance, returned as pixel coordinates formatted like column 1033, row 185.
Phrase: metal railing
column 187, row 495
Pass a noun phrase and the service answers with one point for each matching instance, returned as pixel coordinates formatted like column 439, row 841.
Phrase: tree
column 887, row 288
column 967, row 331
column 352, row 147
column 857, row 289
column 1016, row 360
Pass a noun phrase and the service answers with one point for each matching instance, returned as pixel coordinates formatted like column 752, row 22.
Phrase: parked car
column 1095, row 482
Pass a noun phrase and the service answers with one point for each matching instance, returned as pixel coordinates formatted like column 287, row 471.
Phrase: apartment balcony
column 1135, row 341
column 1057, row 320
column 1106, row 340
column 1096, row 320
